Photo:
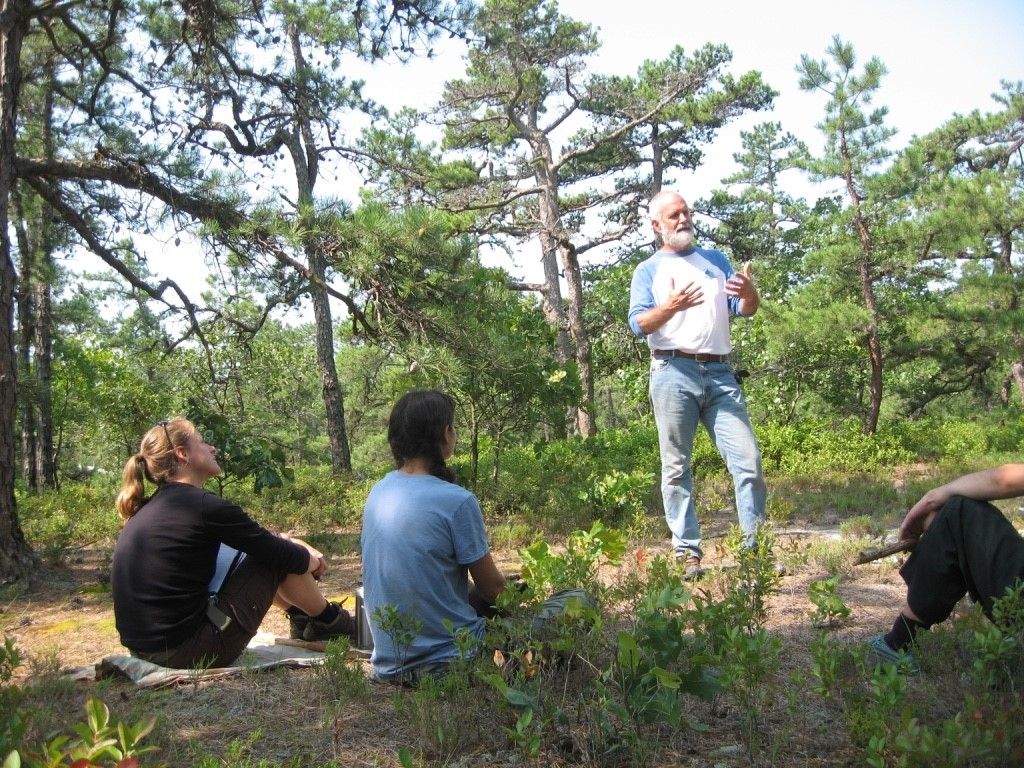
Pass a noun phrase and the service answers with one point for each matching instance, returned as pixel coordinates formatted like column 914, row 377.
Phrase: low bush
column 569, row 483
column 808, row 447
column 315, row 499
column 77, row 515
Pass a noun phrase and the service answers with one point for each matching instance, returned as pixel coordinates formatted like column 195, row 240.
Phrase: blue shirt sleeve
column 641, row 295
column 719, row 260
column 468, row 533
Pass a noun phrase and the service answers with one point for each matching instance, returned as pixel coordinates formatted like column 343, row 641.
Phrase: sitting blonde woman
column 193, row 575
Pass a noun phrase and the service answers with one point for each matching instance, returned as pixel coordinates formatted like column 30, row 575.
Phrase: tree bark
column 1004, row 266
column 46, row 466
column 26, row 333
column 341, row 458
column 569, row 320
column 16, row 557
column 867, row 289
column 581, row 339
column 305, row 159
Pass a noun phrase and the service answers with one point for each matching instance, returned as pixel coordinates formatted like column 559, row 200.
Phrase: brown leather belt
column 700, row 357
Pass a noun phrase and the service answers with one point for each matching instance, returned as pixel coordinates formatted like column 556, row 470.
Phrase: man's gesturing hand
column 741, row 284
column 690, row 295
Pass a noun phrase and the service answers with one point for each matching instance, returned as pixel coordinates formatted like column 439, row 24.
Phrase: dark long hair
column 416, row 429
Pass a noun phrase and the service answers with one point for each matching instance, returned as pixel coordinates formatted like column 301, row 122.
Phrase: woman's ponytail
column 133, row 492
column 155, row 462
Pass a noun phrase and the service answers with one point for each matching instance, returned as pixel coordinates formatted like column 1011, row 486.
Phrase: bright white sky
column 943, row 57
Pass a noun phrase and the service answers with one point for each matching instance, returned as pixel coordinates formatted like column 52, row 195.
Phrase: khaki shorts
column 245, row 597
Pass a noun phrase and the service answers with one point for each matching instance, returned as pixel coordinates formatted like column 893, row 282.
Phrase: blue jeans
column 684, row 392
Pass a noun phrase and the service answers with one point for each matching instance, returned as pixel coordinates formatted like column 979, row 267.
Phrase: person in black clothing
column 967, row 546
column 192, row 574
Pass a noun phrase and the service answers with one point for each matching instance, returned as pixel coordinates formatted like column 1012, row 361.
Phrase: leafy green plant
column 749, row 663
column 58, row 521
column 971, row 737
column 97, row 743
column 619, row 496
column 814, row 446
column 998, row 647
column 829, row 608
column 402, row 628
column 756, row 576
column 779, row 510
column 825, row 665
column 526, row 735
column 339, row 673
column 545, row 571
column 654, row 665
column 240, row 453
column 872, row 717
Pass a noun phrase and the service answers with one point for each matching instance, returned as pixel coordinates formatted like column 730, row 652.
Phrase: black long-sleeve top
column 166, row 555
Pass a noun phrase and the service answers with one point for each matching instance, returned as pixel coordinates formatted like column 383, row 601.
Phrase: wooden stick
column 877, row 553
column 309, row 645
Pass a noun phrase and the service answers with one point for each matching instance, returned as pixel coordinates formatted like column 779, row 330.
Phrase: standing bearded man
column 680, row 300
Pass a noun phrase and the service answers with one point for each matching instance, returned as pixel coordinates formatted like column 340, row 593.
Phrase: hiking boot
column 342, row 626
column 882, row 653
column 297, row 621
column 691, row 567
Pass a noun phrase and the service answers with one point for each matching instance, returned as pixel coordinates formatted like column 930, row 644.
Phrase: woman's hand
column 317, row 564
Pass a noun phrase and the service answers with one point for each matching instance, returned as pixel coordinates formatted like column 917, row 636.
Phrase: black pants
column 969, row 548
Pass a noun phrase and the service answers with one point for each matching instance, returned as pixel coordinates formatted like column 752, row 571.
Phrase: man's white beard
column 681, row 240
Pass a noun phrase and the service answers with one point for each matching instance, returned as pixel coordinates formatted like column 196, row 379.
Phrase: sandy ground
column 64, row 619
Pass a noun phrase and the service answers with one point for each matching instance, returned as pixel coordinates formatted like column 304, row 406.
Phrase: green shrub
column 76, row 515
column 861, row 526
column 942, row 437
column 544, row 571
column 341, row 672
column 829, row 608
column 611, row 473
column 808, row 447
column 314, row 500
column 98, row 743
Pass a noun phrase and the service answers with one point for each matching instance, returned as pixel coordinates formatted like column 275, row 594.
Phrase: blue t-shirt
column 419, row 535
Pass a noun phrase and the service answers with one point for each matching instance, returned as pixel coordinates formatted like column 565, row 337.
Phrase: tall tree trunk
column 867, row 289
column 1017, row 375
column 1004, row 266
column 570, row 326
column 302, row 147
column 46, row 465
column 26, row 335
column 16, row 557
column 341, row 458
column 43, row 305
column 581, row 339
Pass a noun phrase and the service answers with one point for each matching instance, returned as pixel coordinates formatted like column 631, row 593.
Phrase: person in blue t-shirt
column 423, row 538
